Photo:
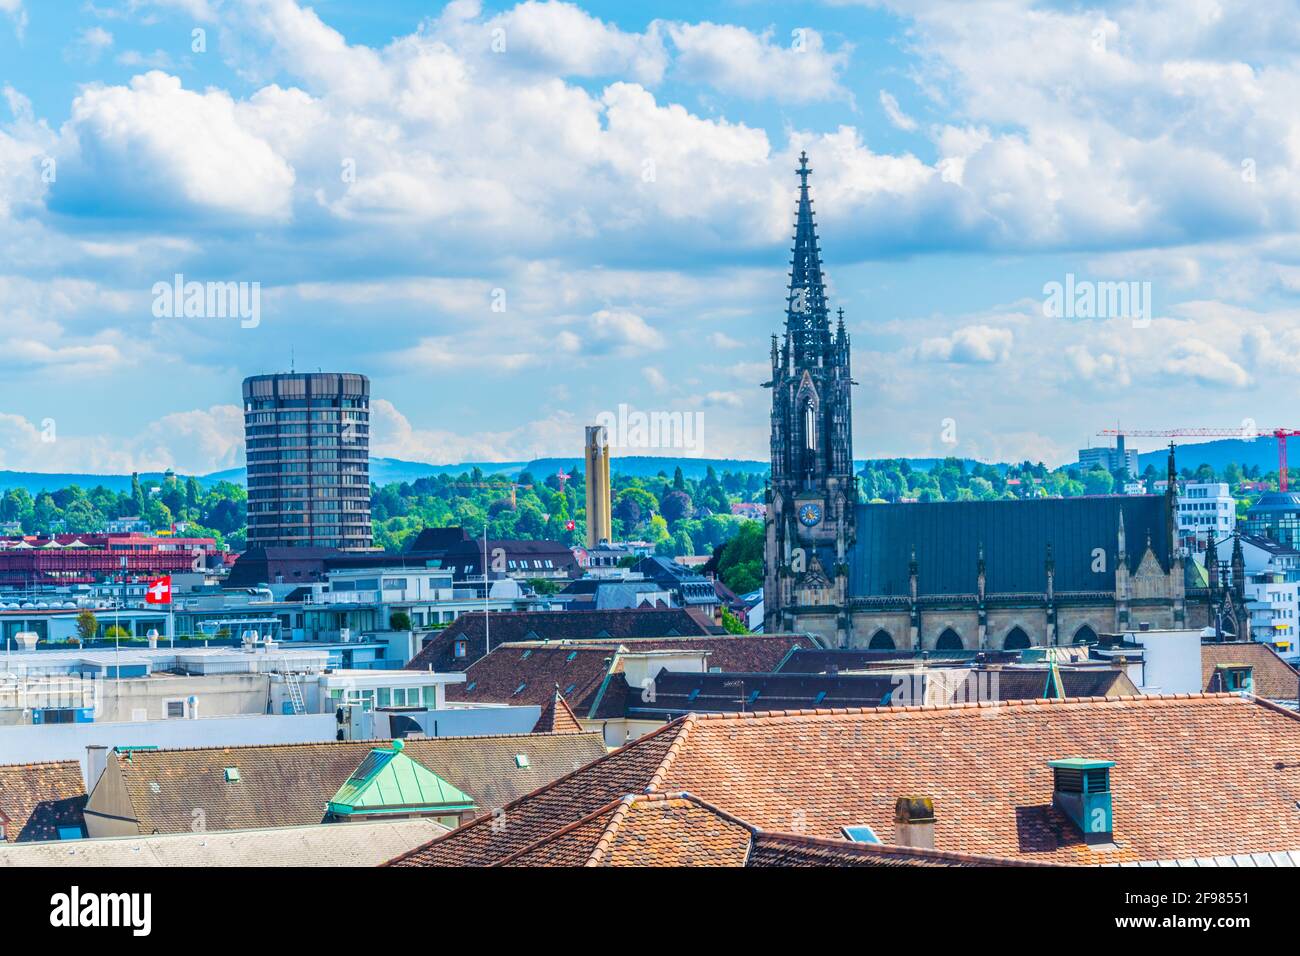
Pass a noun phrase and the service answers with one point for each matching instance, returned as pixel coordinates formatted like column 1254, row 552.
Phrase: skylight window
column 861, row 834
column 520, row 688
column 521, row 761
column 232, row 775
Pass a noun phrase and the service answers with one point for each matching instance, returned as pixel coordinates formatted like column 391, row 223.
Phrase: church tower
column 813, row 493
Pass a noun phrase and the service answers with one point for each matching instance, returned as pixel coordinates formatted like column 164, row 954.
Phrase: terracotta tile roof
column 514, row 626
column 529, row 673
column 1273, row 677
column 557, row 717
column 289, row 784
column 1194, row 776
column 36, row 799
column 679, row 829
column 588, row 673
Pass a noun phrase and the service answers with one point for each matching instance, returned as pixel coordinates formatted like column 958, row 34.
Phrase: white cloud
column 971, row 344
column 157, row 146
column 741, row 63
column 895, row 113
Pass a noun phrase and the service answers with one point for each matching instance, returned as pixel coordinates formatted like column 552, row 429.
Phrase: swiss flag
column 570, row 525
column 159, row 590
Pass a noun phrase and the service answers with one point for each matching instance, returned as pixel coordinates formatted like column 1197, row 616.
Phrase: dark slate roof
column 677, row 693
column 38, row 798
column 289, row 784
column 438, row 539
column 264, row 565
column 513, row 626
column 947, row 537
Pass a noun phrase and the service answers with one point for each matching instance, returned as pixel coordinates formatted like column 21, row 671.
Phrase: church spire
column 806, row 319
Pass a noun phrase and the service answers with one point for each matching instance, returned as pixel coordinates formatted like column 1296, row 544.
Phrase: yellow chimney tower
column 600, row 518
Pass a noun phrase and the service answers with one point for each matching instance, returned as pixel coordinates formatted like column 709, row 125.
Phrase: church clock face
column 810, row 515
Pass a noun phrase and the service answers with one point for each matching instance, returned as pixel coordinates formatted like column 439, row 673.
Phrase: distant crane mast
column 1281, row 434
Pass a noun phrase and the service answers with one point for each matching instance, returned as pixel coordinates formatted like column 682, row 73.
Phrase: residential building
column 1251, row 667
column 953, row 779
column 308, row 450
column 1205, row 508
column 600, row 679
column 141, row 792
column 41, row 801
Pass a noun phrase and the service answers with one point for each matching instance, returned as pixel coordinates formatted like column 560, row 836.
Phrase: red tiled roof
column 36, row 799
column 514, row 626
column 1194, row 776
column 528, row 672
column 679, row 829
column 1273, row 677
column 557, row 718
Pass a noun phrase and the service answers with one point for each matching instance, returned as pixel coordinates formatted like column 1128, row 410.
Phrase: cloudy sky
column 513, row 218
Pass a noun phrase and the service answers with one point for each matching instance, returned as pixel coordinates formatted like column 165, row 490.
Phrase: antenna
column 291, row 365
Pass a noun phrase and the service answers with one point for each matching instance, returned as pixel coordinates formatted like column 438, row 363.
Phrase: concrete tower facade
column 308, row 441
column 600, row 518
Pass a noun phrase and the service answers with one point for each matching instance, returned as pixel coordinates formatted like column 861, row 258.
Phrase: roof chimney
column 1081, row 790
column 914, row 822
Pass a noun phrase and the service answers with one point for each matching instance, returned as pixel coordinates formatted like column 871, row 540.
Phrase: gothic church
column 945, row 575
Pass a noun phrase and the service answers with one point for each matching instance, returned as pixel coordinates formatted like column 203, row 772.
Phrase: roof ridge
column 330, row 743
column 611, row 830
column 657, row 779
column 487, row 818
column 41, row 763
column 562, row 831
column 971, row 705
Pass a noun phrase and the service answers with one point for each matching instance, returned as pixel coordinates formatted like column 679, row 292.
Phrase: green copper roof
column 1081, row 763
column 388, row 781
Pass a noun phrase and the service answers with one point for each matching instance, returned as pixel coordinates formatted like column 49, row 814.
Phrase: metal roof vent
column 1081, row 790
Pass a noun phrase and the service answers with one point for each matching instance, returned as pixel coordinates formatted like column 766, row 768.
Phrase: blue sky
column 617, row 180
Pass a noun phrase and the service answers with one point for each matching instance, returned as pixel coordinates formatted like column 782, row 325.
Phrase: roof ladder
column 294, row 687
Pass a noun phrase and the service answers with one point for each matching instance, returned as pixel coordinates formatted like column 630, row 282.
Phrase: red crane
column 1281, row 434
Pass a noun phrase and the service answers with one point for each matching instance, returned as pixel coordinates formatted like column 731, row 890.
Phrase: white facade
column 1272, row 600
column 1205, row 508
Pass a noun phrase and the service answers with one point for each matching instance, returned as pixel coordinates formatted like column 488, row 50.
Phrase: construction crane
column 1281, row 434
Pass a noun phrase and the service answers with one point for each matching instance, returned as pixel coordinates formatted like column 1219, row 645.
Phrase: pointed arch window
column 881, row 641
column 1016, row 640
column 949, row 641
column 809, row 425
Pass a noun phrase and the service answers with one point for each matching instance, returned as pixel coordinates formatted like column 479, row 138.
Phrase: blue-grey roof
column 947, row 537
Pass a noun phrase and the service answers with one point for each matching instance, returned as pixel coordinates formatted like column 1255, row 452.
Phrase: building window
column 174, row 709
column 460, row 648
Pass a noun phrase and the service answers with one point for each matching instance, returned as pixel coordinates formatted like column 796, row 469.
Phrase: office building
column 308, row 440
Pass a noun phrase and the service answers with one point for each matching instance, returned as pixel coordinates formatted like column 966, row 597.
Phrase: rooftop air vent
column 1081, row 790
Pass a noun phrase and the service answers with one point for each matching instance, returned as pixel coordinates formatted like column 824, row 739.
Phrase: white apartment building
column 1206, row 508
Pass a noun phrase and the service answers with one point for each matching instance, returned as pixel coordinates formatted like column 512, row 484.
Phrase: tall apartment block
column 308, row 441
column 600, row 519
